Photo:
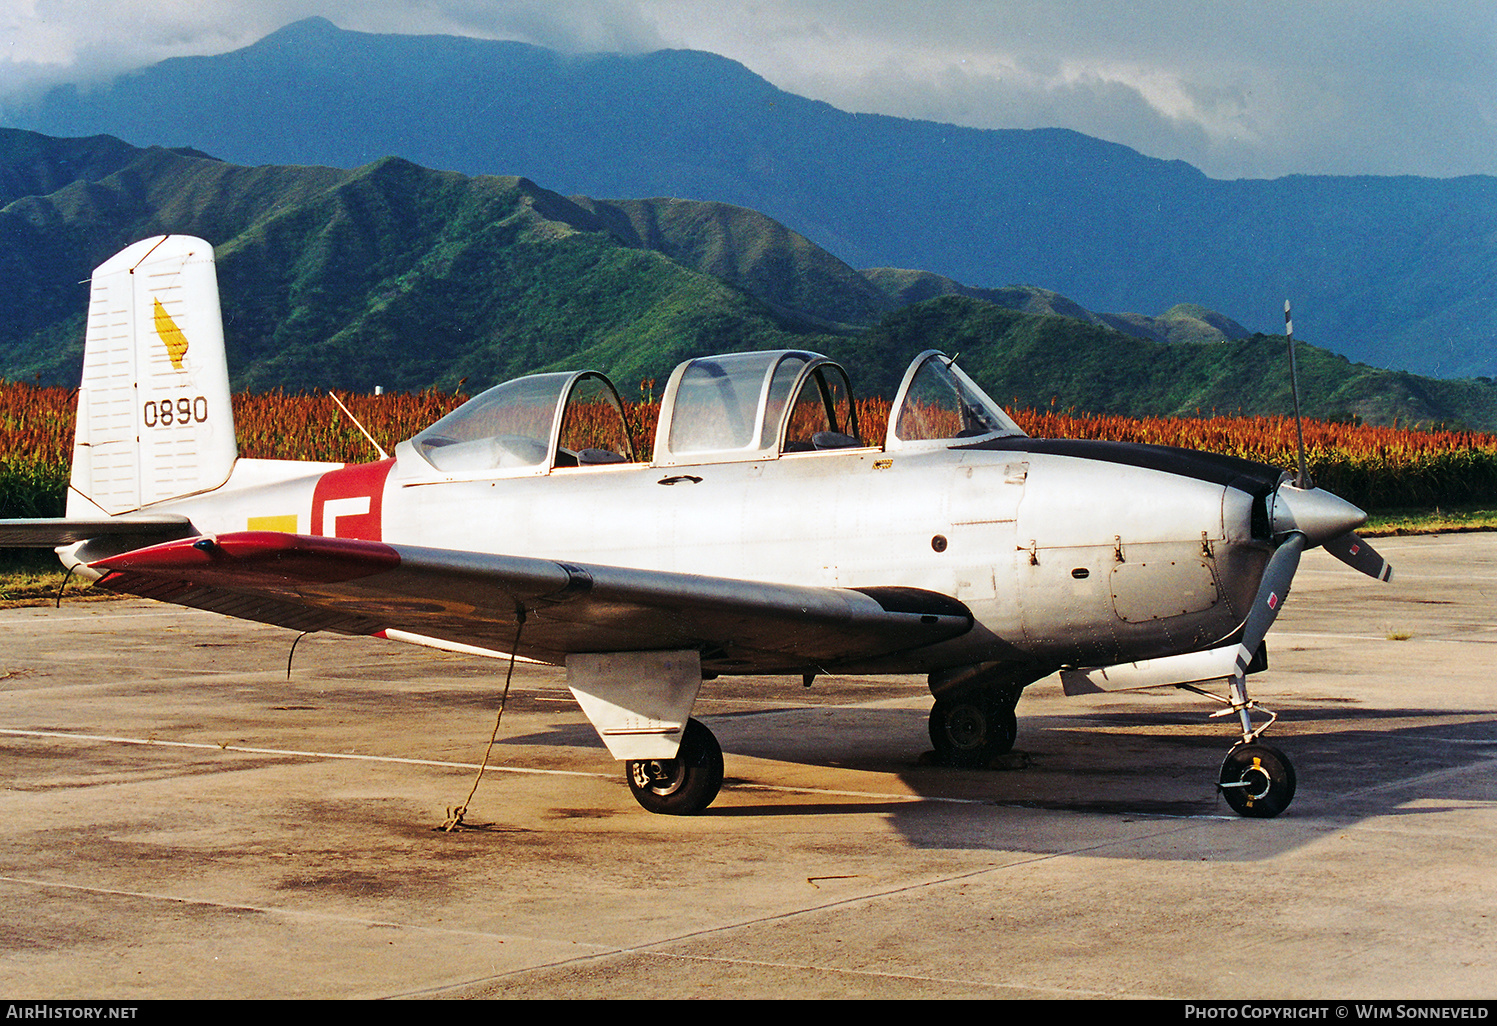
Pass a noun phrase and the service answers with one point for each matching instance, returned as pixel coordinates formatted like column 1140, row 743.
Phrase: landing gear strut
column 682, row 786
column 973, row 722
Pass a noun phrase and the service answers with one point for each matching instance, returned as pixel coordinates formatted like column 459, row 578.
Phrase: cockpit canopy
column 716, row 409
column 534, row 423
column 751, row 406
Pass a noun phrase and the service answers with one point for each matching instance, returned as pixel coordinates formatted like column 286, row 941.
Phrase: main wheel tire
column 1257, row 780
column 682, row 786
column 972, row 730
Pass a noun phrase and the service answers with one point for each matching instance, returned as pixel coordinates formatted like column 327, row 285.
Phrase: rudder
column 154, row 420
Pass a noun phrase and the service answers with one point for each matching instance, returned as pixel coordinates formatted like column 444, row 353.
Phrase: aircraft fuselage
column 1061, row 559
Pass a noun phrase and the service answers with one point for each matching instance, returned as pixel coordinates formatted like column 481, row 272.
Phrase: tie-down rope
column 455, row 815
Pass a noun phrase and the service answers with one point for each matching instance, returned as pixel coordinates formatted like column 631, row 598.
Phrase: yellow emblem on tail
column 171, row 335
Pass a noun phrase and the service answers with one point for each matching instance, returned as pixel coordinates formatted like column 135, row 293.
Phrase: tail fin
column 154, row 420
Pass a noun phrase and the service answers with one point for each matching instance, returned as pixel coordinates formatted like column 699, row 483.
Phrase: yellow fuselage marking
column 286, row 524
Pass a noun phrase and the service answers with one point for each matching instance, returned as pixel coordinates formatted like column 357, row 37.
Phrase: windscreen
column 942, row 403
column 507, row 426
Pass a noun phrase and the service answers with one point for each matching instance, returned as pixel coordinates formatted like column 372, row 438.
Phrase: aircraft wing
column 365, row 587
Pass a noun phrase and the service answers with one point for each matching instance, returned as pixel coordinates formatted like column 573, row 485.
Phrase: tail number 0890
column 179, row 411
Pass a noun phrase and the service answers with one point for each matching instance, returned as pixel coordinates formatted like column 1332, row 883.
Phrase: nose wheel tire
column 972, row 730
column 1257, row 780
column 682, row 786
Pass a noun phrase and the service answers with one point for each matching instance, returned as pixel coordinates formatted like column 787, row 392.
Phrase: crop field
column 1374, row 467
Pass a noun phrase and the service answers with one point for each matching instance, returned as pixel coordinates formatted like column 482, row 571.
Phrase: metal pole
column 1299, row 424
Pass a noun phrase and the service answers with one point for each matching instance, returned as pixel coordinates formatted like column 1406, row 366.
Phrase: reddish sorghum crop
column 1375, row 467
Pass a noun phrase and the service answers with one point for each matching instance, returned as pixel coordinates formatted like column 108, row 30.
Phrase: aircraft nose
column 1314, row 512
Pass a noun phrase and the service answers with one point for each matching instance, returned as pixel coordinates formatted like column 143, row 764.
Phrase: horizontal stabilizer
column 49, row 533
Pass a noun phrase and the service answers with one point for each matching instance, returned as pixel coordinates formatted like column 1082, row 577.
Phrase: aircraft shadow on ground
column 1115, row 768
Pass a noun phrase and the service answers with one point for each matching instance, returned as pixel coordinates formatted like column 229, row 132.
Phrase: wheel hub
column 1256, row 781
column 966, row 727
column 662, row 776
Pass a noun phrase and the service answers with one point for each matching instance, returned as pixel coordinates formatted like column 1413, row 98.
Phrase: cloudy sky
column 1239, row 89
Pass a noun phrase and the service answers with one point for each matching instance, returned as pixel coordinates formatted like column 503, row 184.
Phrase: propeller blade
column 1358, row 555
column 1272, row 592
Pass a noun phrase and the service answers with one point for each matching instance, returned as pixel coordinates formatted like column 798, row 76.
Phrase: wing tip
column 255, row 553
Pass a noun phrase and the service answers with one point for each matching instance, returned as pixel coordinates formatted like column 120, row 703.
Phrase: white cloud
column 1238, row 89
column 1340, row 86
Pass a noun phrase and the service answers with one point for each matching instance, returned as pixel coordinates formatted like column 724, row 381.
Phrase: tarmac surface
column 180, row 820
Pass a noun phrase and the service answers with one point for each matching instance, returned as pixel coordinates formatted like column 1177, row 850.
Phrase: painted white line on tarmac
column 246, row 750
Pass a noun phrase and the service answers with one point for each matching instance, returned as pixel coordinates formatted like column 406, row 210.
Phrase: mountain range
column 396, row 275
column 1395, row 272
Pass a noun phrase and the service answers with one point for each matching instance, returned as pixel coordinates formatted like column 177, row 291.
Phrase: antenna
column 1299, row 424
column 384, row 455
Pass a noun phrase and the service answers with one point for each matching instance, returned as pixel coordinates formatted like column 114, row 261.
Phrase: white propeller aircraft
column 764, row 537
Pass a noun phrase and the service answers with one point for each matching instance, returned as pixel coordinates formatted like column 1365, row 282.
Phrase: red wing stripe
column 247, row 556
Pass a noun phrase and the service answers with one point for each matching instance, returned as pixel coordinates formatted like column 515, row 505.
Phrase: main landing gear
column 973, row 722
column 682, row 786
column 972, row 729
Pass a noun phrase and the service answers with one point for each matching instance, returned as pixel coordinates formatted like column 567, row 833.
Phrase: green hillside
column 794, row 276
column 389, row 275
column 396, row 275
column 1036, row 361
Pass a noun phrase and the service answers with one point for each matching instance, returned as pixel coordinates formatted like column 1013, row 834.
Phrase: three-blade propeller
column 1303, row 518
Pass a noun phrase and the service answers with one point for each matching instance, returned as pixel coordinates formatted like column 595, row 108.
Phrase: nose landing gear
column 1257, row 780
